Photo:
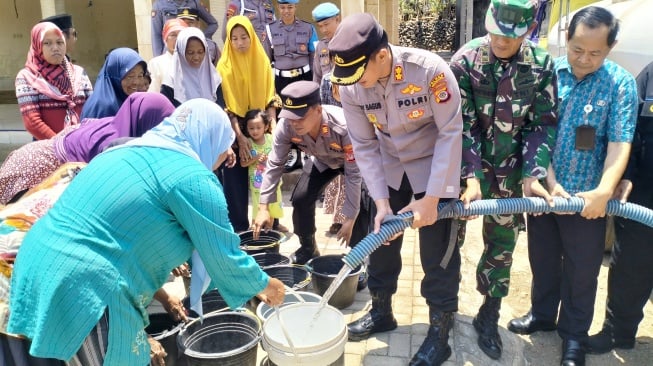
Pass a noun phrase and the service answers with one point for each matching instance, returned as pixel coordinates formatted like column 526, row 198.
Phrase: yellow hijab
column 247, row 78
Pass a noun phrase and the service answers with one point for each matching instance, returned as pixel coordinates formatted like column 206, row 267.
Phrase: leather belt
column 292, row 73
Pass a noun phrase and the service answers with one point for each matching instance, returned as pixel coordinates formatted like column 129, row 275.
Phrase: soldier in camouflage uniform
column 509, row 104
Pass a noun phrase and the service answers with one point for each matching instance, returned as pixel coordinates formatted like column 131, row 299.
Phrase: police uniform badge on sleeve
column 438, row 87
column 349, row 153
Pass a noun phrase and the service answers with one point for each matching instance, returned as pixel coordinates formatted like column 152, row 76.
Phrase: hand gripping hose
column 491, row 207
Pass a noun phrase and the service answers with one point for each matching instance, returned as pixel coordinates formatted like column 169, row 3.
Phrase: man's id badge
column 585, row 137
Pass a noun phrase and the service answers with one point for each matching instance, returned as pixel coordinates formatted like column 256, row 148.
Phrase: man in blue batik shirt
column 598, row 108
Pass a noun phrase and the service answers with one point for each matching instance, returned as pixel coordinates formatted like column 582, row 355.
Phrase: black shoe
column 370, row 323
column 303, row 255
column 573, row 353
column 527, row 324
column 486, row 325
column 604, row 342
column 435, row 349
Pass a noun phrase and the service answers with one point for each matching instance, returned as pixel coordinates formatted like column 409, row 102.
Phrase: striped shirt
column 605, row 100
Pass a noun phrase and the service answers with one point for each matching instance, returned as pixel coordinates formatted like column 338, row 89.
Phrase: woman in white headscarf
column 193, row 75
column 115, row 234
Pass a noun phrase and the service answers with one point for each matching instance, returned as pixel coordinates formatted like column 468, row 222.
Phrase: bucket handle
column 291, row 291
column 285, row 331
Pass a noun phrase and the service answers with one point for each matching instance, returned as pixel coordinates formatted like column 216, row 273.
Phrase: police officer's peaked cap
column 188, row 13
column 63, row 21
column 297, row 97
column 356, row 38
column 288, row 1
column 510, row 18
column 325, row 11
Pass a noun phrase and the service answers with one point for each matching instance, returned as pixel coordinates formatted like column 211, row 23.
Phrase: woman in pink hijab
column 50, row 89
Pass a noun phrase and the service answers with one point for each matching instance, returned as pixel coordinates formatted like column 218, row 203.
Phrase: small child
column 258, row 128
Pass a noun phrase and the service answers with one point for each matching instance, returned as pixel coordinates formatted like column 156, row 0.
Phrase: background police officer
column 293, row 45
column 403, row 115
column 509, row 106
column 163, row 10
column 319, row 130
column 327, row 18
column 259, row 12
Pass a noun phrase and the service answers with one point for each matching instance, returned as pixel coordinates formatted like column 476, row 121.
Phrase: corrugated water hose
column 491, row 207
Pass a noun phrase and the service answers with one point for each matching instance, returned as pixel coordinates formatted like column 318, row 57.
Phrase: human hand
column 181, row 271
column 244, row 148
column 472, row 193
column 596, row 202
column 425, row 211
column 273, row 293
column 174, row 307
column 344, row 234
column 157, row 353
column 231, row 158
column 622, row 191
column 533, row 188
column 383, row 210
column 263, row 158
column 262, row 221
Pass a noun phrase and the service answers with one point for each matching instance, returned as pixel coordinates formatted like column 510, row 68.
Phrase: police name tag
column 647, row 109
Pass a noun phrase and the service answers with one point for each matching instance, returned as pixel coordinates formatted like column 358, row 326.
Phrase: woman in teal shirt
column 94, row 261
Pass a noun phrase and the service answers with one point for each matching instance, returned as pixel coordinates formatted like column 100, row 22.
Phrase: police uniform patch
column 325, row 129
column 335, row 146
column 302, row 47
column 153, row 13
column 371, row 117
column 411, row 89
column 415, row 114
column 349, row 153
column 399, row 73
column 442, row 96
column 296, row 140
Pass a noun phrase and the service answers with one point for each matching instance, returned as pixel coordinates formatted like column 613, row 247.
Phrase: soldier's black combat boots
column 486, row 325
column 379, row 319
column 435, row 348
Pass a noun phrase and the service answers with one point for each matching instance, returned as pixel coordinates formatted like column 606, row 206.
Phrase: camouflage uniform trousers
column 500, row 233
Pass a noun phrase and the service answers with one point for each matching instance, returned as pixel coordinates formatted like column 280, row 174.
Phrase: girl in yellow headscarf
column 247, row 83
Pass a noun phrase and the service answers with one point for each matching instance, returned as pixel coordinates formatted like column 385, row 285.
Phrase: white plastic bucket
column 264, row 311
column 317, row 341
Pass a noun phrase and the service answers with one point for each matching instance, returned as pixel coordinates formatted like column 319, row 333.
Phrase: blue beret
column 288, row 1
column 325, row 11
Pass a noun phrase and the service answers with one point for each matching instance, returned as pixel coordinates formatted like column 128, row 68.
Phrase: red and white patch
column 349, row 154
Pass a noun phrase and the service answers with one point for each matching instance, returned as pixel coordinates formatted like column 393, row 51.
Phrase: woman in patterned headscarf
column 50, row 90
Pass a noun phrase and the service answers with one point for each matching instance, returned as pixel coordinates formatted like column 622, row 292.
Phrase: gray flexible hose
column 491, row 207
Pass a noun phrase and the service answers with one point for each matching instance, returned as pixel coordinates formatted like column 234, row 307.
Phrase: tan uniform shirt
column 412, row 126
column 331, row 150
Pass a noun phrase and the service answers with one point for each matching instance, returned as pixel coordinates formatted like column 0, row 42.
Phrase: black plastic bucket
column 324, row 269
column 165, row 330
column 271, row 259
column 293, row 276
column 224, row 338
column 268, row 241
column 211, row 301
